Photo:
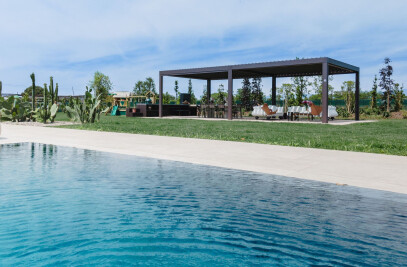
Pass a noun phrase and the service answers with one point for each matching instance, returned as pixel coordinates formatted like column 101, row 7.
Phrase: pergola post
column 274, row 91
column 208, row 91
column 230, row 94
column 325, row 73
column 357, row 96
column 160, row 102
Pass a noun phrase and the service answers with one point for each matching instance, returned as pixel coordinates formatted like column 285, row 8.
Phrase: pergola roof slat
column 286, row 68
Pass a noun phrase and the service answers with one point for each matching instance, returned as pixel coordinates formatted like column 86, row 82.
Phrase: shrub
column 342, row 112
column 370, row 111
column 86, row 111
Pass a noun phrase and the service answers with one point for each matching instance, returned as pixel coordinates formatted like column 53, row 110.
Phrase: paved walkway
column 374, row 171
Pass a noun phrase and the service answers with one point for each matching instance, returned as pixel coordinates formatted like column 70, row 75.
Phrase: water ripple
column 65, row 206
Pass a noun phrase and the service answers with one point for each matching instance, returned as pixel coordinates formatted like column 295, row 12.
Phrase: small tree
column 317, row 86
column 301, row 84
column 398, row 97
column 176, row 89
column 245, row 96
column 374, row 93
column 167, row 98
column 191, row 92
column 101, row 85
column 1, row 88
column 257, row 93
column 287, row 91
column 221, row 95
column 386, row 82
column 349, row 95
column 204, row 98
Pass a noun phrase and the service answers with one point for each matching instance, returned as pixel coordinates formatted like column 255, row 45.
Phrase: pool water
column 67, row 206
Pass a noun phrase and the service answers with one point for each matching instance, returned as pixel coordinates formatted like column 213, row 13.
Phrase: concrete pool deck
column 374, row 171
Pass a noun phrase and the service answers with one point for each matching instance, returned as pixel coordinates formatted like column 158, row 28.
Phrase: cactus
column 53, row 93
column 86, row 111
column 47, row 111
column 51, row 89
column 53, row 112
column 56, row 93
column 45, row 96
column 33, row 90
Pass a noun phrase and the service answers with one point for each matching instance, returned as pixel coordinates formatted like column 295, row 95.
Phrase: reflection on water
column 67, row 206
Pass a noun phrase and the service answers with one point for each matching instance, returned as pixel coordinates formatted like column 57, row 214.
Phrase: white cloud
column 132, row 39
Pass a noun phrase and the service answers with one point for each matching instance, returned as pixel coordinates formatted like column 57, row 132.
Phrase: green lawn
column 385, row 136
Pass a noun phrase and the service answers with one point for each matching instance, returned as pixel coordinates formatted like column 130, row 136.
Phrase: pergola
column 290, row 68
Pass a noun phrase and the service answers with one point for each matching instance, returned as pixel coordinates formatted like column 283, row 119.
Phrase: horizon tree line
column 251, row 92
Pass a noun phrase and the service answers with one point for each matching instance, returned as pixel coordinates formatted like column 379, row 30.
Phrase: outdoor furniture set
column 293, row 113
column 218, row 111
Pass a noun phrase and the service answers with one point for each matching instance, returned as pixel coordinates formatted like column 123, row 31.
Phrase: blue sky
column 130, row 40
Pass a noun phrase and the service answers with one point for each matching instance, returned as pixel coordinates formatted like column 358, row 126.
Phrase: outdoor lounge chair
column 317, row 110
column 273, row 111
column 267, row 110
column 332, row 113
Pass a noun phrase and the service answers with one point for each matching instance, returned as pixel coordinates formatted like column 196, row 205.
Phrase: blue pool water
column 66, row 206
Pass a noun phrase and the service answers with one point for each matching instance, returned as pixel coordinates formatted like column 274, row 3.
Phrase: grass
column 385, row 136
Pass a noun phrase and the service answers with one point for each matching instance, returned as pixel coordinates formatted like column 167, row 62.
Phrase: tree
column 398, row 97
column 386, row 82
column 301, row 84
column 257, row 93
column 374, row 93
column 204, row 98
column 245, row 94
column 220, row 97
column 138, row 88
column 167, row 98
column 349, row 95
column 191, row 92
column 101, row 85
column 287, row 91
column 317, row 86
column 1, row 87
column 149, row 85
column 189, row 86
column 37, row 92
column 176, row 89
column 143, row 87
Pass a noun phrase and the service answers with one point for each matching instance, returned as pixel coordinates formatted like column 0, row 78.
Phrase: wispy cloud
column 129, row 40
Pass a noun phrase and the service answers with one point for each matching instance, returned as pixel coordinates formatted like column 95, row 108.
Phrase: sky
column 131, row 40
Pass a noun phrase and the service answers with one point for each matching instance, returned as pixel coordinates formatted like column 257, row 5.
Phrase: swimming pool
column 69, row 206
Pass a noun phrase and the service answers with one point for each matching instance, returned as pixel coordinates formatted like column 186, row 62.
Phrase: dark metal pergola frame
column 323, row 66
